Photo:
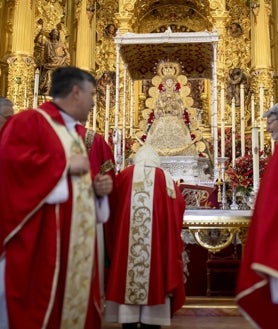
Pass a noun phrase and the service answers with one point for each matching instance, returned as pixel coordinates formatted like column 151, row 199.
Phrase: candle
column 222, row 120
column 252, row 110
column 233, row 133
column 256, row 160
column 95, row 117
column 272, row 146
column 107, row 107
column 261, row 118
column 124, row 117
column 25, row 96
column 36, row 88
column 271, row 101
column 131, row 108
column 242, row 120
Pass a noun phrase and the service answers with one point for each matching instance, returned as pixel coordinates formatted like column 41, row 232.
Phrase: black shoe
column 129, row 326
column 149, row 326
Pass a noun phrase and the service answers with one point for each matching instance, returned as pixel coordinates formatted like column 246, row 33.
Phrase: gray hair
column 272, row 110
column 4, row 102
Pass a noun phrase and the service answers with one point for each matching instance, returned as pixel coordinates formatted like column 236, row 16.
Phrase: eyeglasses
column 271, row 121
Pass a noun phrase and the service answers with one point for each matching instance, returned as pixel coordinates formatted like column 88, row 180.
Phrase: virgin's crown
column 168, row 68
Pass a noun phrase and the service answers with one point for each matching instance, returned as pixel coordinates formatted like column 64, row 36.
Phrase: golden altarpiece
column 39, row 35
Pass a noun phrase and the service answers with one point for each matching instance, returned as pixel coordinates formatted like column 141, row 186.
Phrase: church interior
column 190, row 77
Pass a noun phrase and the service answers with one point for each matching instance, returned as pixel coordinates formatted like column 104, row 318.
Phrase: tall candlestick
column 256, row 160
column 124, row 117
column 107, row 107
column 261, row 118
column 36, row 89
column 222, row 119
column 25, row 96
column 131, row 108
column 233, row 133
column 95, row 117
column 252, row 110
column 271, row 101
column 242, row 120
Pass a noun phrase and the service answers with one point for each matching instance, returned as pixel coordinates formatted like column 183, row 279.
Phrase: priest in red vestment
column 257, row 289
column 48, row 213
column 101, row 162
column 145, row 283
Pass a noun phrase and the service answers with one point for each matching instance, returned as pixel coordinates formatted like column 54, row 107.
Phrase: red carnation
column 161, row 87
column 177, row 86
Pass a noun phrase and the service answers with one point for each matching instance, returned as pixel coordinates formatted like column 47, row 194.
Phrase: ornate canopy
column 194, row 50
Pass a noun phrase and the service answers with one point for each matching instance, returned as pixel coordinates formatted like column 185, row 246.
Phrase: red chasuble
column 260, row 259
column 166, row 273
column 34, row 237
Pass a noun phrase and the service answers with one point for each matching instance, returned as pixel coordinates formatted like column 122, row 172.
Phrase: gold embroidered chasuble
column 140, row 236
column 81, row 240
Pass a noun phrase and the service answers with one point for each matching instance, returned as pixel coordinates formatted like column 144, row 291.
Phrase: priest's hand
column 78, row 165
column 103, row 185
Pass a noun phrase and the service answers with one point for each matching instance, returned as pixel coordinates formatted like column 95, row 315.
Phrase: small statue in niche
column 236, row 78
column 235, row 30
column 55, row 54
column 110, row 31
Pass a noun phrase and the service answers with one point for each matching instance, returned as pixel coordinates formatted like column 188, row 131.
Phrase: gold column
column 84, row 43
column 220, row 17
column 124, row 21
column 274, row 49
column 262, row 71
column 21, row 62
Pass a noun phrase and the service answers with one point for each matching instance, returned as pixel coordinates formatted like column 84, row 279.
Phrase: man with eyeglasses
column 272, row 121
column 257, row 289
column 6, row 110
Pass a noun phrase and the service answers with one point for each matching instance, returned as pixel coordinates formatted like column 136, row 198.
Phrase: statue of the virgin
column 169, row 133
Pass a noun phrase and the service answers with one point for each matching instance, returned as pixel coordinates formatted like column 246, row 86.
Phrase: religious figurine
column 235, row 30
column 110, row 31
column 169, row 134
column 55, row 54
column 236, row 77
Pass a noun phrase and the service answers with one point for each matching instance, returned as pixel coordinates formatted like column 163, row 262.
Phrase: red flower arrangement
column 241, row 175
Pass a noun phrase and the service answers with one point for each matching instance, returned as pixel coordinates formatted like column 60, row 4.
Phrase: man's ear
column 75, row 91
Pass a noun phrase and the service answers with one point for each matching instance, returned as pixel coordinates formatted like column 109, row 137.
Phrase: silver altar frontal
column 215, row 229
column 188, row 168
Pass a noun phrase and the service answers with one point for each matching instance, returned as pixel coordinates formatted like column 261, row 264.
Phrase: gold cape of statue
column 169, row 134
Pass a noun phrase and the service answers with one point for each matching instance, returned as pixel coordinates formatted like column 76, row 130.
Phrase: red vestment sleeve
column 32, row 162
column 261, row 254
